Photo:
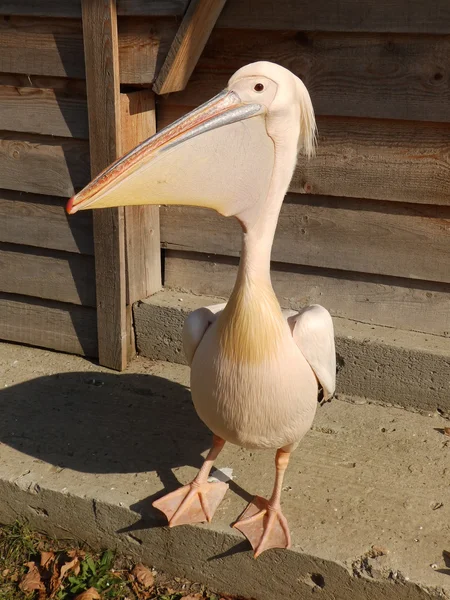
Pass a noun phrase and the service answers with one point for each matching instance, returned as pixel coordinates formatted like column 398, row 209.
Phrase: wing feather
column 313, row 332
column 195, row 327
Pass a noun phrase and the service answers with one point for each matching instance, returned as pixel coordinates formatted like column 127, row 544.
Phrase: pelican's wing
column 195, row 327
column 313, row 332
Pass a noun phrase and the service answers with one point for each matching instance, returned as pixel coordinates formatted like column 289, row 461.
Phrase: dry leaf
column 90, row 594
column 5, row 572
column 46, row 559
column 144, row 576
column 32, row 580
column 447, row 431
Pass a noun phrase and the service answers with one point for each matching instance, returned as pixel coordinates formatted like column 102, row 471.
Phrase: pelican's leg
column 197, row 501
column 262, row 522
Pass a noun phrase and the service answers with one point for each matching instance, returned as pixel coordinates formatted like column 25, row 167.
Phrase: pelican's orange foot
column 192, row 503
column 264, row 526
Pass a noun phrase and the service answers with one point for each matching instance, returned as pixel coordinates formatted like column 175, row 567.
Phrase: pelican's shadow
column 96, row 422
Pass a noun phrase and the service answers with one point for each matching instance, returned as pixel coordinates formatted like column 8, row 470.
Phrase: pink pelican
column 255, row 369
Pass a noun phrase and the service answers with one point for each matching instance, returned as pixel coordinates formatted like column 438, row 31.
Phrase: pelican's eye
column 259, row 87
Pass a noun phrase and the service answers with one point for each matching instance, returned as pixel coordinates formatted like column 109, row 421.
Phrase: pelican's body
column 255, row 369
column 270, row 404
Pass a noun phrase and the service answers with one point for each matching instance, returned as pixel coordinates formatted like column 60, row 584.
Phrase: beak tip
column 70, row 208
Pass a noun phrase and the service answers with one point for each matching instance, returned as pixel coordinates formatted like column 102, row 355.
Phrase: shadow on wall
column 104, row 423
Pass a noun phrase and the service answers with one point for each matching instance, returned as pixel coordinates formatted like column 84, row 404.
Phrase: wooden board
column 55, row 325
column 43, row 165
column 188, row 44
column 102, row 80
column 143, row 45
column 54, row 47
column 142, row 242
column 403, row 240
column 48, row 274
column 72, row 8
column 43, row 111
column 350, row 15
column 412, row 305
column 385, row 76
column 367, row 158
column 42, row 221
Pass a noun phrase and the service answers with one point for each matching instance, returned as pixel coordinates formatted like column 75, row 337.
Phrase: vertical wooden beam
column 142, row 240
column 103, row 95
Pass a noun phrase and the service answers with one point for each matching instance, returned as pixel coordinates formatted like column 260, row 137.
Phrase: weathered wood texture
column 54, row 47
column 142, row 241
column 384, row 76
column 102, row 80
column 337, row 233
column 188, row 44
column 389, row 301
column 45, row 111
column 72, row 8
column 367, row 158
column 43, row 165
column 42, row 221
column 63, row 327
column 353, row 15
column 414, row 16
column 51, row 274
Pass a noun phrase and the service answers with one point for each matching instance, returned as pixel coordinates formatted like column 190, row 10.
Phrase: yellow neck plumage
column 251, row 325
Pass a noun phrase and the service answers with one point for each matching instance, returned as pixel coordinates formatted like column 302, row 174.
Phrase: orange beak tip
column 70, row 209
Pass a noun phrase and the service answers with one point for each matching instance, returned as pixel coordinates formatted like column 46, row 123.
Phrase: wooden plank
column 399, row 161
column 188, row 45
column 400, row 303
column 47, row 274
column 143, row 45
column 42, row 221
column 62, row 327
column 414, row 16
column 393, row 77
column 143, row 255
column 102, row 80
column 72, row 8
column 403, row 240
column 43, row 165
column 54, row 47
column 43, row 111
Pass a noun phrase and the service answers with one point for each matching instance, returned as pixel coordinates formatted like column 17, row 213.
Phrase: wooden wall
column 47, row 267
column 365, row 229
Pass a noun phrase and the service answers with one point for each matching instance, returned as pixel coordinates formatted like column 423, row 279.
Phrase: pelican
column 256, row 370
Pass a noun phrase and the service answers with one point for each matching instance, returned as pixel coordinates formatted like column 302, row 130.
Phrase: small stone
column 434, row 566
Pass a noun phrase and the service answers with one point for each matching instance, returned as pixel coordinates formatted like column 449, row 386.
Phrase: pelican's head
column 224, row 155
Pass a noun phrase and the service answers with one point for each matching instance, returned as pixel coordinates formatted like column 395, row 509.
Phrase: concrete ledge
column 394, row 367
column 84, row 451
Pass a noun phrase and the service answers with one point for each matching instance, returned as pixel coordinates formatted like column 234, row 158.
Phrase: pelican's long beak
column 189, row 162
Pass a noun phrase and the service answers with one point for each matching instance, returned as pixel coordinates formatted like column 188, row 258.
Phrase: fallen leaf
column 58, row 575
column 90, row 594
column 32, row 580
column 46, row 559
column 5, row 572
column 143, row 575
column 447, row 431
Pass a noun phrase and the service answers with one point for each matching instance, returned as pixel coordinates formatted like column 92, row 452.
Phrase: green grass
column 109, row 574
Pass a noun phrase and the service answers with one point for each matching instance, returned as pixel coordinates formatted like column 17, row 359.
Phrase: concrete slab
column 84, row 451
column 395, row 367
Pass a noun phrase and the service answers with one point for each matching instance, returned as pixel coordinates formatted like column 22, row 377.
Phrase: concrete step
column 84, row 451
column 390, row 366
